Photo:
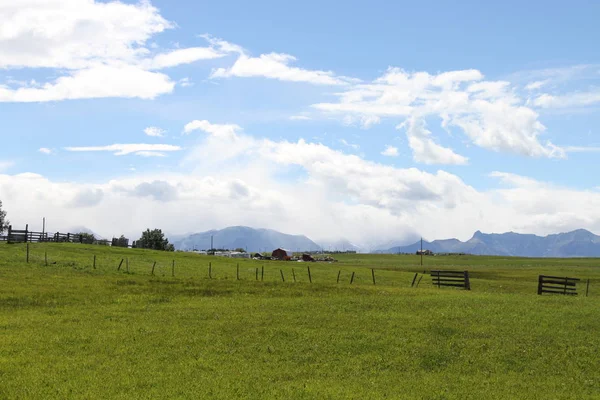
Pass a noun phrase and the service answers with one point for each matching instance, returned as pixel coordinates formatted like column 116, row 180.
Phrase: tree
column 154, row 239
column 121, row 242
column 3, row 221
column 87, row 238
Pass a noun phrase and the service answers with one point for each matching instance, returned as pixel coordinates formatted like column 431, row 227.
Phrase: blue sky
column 369, row 121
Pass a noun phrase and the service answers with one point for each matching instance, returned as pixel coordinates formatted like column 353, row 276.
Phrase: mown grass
column 68, row 330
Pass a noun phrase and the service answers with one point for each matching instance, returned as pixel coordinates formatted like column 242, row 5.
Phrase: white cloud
column 96, row 82
column 299, row 118
column 350, row 145
column 149, row 154
column 125, row 149
column 183, row 56
column 461, row 98
column 45, row 150
column 425, row 150
column 276, row 66
column 154, row 131
column 97, row 50
column 536, row 85
column 569, row 100
column 221, row 130
column 390, row 151
column 75, row 34
column 338, row 192
column 185, row 82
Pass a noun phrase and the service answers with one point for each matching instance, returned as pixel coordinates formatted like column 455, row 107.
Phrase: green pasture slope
column 68, row 330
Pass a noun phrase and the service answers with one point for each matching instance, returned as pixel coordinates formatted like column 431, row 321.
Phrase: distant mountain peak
column 577, row 243
column 245, row 237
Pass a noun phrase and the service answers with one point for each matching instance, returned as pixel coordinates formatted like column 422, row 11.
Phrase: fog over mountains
column 253, row 240
column 578, row 243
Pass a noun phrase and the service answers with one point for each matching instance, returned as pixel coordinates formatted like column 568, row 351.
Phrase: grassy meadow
column 69, row 330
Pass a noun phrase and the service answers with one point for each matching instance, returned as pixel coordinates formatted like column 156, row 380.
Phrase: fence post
column 294, row 274
column 373, row 275
column 121, row 263
column 467, row 281
column 209, row 270
column 262, row 273
column 27, row 236
column 94, row 261
column 587, row 288
column 414, row 279
column 352, row 278
column 282, row 278
column 173, row 269
column 153, row 265
column 309, row 277
column 540, row 283
column 9, row 234
column 68, row 237
column 237, row 272
column 338, row 278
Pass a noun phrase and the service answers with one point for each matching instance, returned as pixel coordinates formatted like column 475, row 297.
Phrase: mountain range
column 578, row 243
column 250, row 239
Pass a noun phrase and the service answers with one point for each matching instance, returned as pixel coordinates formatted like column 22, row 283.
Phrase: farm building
column 425, row 252
column 307, row 257
column 281, row 254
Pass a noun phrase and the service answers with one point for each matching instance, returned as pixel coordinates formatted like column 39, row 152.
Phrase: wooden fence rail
column 25, row 236
column 557, row 285
column 451, row 278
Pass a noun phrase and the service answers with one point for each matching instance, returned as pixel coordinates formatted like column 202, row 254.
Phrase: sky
column 369, row 121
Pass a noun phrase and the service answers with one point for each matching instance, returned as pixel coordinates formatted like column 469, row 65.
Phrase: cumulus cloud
column 98, row 49
column 45, row 150
column 337, row 194
column 125, row 149
column 461, row 99
column 425, row 150
column 158, row 190
column 86, row 197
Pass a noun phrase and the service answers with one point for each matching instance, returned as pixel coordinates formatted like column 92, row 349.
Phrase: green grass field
column 68, row 330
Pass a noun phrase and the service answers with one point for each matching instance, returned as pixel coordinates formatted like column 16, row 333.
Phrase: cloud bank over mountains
column 228, row 174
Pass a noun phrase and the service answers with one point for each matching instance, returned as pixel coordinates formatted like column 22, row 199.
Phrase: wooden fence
column 557, row 285
column 25, row 236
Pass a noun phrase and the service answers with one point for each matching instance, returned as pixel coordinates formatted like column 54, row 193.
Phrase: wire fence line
column 206, row 267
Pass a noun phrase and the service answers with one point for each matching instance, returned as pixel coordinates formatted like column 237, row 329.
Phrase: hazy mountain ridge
column 254, row 240
column 578, row 243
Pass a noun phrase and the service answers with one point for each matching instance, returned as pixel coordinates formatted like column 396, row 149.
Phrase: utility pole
column 211, row 242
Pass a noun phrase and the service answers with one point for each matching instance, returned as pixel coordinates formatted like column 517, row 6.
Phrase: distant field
column 70, row 331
